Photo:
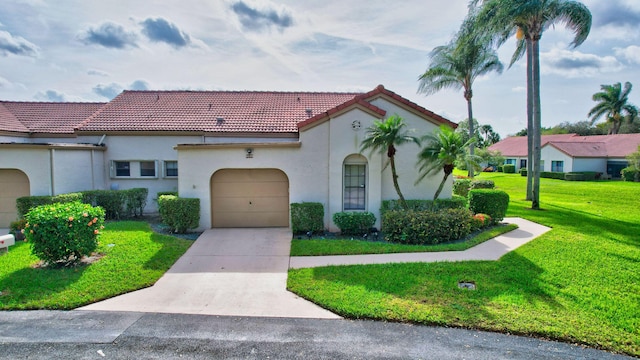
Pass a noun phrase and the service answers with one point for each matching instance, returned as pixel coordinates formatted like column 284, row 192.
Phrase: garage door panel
column 13, row 185
column 250, row 198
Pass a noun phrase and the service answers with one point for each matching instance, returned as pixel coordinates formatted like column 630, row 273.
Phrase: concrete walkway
column 241, row 272
column 493, row 249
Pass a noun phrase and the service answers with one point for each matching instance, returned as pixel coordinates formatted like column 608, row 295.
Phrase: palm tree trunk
column 468, row 95
column 537, row 124
column 394, row 175
column 444, row 180
column 529, row 118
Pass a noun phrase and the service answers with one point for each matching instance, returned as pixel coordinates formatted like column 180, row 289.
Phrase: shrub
column 136, row 200
column 112, row 201
column 480, row 221
column 180, row 214
column 630, row 174
column 26, row 203
column 574, row 177
column 523, row 172
column 62, row 233
column 16, row 227
column 307, row 216
column 552, row 175
column 455, row 202
column 509, row 168
column 461, row 187
column 500, row 168
column 354, row 223
column 482, row 184
column 426, row 227
column 488, row 201
column 160, row 193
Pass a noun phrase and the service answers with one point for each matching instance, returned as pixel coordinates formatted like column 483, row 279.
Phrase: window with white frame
column 134, row 169
column 170, row 168
column 354, row 183
column 557, row 166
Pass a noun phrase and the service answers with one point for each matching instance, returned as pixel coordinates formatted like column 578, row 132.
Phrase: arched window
column 354, row 183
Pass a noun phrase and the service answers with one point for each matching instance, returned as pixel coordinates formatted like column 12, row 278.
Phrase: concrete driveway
column 241, row 272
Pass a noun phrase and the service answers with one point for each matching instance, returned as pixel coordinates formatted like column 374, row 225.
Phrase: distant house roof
column 44, row 117
column 574, row 145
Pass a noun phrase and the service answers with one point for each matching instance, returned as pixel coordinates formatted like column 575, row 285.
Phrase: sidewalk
column 492, row 249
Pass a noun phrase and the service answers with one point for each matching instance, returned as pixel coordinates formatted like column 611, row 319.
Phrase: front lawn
column 318, row 247
column 134, row 257
column 578, row 283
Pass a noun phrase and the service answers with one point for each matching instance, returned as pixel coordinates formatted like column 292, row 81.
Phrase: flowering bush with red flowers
column 61, row 234
column 480, row 221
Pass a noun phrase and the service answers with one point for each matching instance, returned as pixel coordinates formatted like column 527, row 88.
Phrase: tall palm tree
column 458, row 64
column 441, row 150
column 530, row 18
column 614, row 102
column 384, row 136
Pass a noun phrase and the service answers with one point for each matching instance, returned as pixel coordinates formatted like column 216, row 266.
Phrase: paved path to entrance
column 241, row 272
column 493, row 249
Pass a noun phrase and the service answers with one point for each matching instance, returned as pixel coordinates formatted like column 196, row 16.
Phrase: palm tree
column 384, row 136
column 442, row 149
column 614, row 102
column 458, row 64
column 529, row 19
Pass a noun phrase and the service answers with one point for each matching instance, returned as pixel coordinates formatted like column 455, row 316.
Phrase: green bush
column 307, row 216
column 62, row 233
column 630, row 174
column 455, row 202
column 426, row 227
column 112, row 201
column 354, row 223
column 509, row 169
column 482, row 184
column 461, row 187
column 523, row 171
column 500, row 168
column 552, row 175
column 480, row 221
column 488, row 201
column 574, row 177
column 136, row 200
column 180, row 214
column 160, row 193
column 26, row 203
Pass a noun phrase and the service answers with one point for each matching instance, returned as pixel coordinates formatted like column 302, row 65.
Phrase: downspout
column 52, row 171
column 93, row 176
column 329, row 176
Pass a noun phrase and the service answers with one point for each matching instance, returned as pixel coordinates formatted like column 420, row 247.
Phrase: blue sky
column 79, row 50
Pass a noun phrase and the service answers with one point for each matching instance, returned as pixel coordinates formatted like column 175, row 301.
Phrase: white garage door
column 250, row 198
column 13, row 184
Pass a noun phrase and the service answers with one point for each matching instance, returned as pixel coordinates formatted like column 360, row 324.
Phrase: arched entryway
column 13, row 184
column 249, row 198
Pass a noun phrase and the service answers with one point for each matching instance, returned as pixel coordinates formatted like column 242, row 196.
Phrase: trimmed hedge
column 482, row 184
column 455, row 202
column 25, row 203
column 461, row 187
column 582, row 176
column 523, row 171
column 630, row 174
column 426, row 227
column 112, row 201
column 552, row 175
column 354, row 223
column 488, row 201
column 160, row 193
column 136, row 200
column 62, row 233
column 509, row 169
column 307, row 216
column 180, row 214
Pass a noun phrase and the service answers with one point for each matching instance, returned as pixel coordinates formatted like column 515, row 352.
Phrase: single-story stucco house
column 245, row 154
column 573, row 153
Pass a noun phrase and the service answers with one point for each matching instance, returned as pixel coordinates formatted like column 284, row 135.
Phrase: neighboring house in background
column 573, row 153
column 246, row 155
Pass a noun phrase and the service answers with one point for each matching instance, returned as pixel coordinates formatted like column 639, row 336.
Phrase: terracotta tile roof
column 573, row 145
column 44, row 117
column 212, row 111
column 355, row 102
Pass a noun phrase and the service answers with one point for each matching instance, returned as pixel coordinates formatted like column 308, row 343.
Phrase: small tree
column 384, row 136
column 442, row 149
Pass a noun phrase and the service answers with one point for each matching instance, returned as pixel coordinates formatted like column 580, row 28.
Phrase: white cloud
column 630, row 53
column 518, row 89
column 16, row 45
column 573, row 64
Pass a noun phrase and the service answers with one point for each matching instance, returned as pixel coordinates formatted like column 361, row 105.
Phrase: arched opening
column 354, row 183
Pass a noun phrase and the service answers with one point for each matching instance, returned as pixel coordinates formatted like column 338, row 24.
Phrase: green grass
column 134, row 258
column 578, row 283
column 318, row 247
